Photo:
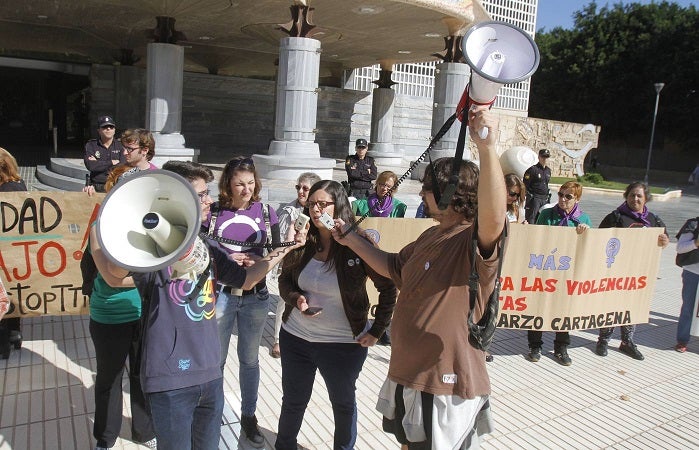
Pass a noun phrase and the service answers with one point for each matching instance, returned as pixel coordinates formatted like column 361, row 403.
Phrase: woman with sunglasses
column 567, row 213
column 325, row 320
column 516, row 193
column 239, row 215
column 287, row 216
column 633, row 213
column 381, row 202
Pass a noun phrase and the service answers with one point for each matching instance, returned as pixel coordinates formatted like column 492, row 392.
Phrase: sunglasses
column 240, row 162
column 301, row 187
column 566, row 196
column 321, row 205
column 108, row 127
column 513, row 194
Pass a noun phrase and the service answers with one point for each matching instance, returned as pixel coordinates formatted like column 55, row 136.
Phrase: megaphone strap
column 437, row 137
column 268, row 246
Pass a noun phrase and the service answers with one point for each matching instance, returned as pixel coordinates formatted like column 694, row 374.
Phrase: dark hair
column 465, row 200
column 142, row 137
column 237, row 164
column 638, row 184
column 190, row 170
column 343, row 210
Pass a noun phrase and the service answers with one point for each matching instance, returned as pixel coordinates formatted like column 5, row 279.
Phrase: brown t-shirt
column 430, row 350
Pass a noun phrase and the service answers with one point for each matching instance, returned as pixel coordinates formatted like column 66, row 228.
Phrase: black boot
column 561, row 354
column 16, row 339
column 5, row 346
column 248, row 425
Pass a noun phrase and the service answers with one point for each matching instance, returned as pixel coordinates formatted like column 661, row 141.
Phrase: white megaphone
column 498, row 53
column 151, row 221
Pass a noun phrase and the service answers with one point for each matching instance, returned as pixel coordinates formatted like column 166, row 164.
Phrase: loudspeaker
column 517, row 160
column 498, row 53
column 151, row 221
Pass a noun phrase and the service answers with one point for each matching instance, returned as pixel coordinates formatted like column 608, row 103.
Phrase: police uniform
column 100, row 167
column 536, row 180
column 360, row 174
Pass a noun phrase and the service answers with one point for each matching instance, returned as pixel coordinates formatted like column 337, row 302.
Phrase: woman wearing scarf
column 381, row 203
column 566, row 213
column 633, row 213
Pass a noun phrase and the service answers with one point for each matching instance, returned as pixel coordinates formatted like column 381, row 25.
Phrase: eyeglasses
column 300, row 187
column 566, row 196
column 108, row 127
column 386, row 186
column 321, row 204
column 131, row 149
column 202, row 195
column 513, row 194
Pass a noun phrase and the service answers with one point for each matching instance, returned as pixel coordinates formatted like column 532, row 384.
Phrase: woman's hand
column 581, row 227
column 663, row 240
column 90, row 190
column 340, row 228
column 367, row 340
column 244, row 259
column 299, row 237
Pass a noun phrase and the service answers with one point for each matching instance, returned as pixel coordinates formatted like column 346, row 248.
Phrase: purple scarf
column 572, row 216
column 380, row 208
column 641, row 217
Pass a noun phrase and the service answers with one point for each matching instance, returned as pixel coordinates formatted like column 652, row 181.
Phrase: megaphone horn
column 498, row 53
column 151, row 221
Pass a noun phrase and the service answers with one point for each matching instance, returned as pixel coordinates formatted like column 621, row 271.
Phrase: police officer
column 536, row 180
column 361, row 170
column 103, row 153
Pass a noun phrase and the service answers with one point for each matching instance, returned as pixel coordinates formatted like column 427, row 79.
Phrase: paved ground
column 46, row 390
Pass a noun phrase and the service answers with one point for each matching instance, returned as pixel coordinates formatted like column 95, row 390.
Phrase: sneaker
column 681, row 347
column 152, row 444
column 562, row 356
column 535, row 354
column 488, row 357
column 630, row 349
column 601, row 348
column 248, row 424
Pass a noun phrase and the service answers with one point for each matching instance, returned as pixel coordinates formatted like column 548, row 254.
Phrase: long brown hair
column 8, row 167
column 511, row 181
column 237, row 164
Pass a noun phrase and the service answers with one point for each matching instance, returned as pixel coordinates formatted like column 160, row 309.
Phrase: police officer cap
column 361, row 143
column 105, row 120
column 544, row 153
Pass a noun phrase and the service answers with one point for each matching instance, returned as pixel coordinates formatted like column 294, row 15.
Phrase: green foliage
column 591, row 178
column 602, row 71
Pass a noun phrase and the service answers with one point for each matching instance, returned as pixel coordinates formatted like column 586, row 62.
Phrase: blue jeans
column 339, row 365
column 188, row 418
column 690, row 281
column 249, row 313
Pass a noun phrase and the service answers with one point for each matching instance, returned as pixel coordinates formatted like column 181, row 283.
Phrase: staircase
column 61, row 174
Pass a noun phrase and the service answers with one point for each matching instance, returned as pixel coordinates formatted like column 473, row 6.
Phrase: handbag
column 689, row 258
column 480, row 334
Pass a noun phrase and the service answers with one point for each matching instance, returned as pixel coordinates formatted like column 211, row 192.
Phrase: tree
column 602, row 71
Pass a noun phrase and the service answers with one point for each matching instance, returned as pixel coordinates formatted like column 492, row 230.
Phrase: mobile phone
column 301, row 222
column 327, row 221
column 312, row 310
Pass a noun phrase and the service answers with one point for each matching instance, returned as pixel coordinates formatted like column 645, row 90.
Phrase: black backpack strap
column 212, row 221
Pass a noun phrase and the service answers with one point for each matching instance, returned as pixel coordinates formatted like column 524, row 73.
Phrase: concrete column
column 294, row 150
column 164, row 80
column 450, row 80
column 381, row 146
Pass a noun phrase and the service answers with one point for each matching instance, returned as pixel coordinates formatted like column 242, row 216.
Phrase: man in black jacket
column 361, row 170
column 103, row 153
column 536, row 180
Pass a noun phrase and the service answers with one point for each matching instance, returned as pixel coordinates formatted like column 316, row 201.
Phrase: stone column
column 164, row 80
column 294, row 150
column 381, row 146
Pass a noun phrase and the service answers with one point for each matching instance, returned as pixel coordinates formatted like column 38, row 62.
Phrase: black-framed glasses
column 566, row 196
column 131, row 149
column 513, row 194
column 202, row 195
column 321, row 204
column 300, row 187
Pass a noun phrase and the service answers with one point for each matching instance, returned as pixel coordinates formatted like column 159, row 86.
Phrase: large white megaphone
column 151, row 221
column 498, row 53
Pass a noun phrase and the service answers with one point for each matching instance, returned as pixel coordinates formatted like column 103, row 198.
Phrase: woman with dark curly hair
column 437, row 391
column 325, row 320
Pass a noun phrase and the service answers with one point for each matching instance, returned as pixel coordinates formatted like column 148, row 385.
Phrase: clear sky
column 554, row 13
